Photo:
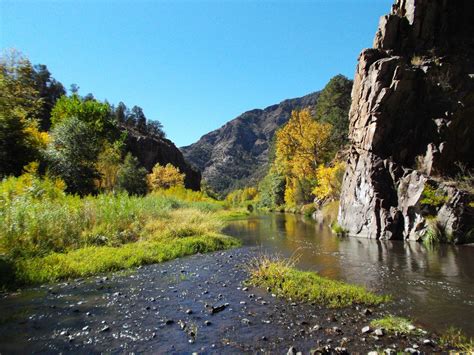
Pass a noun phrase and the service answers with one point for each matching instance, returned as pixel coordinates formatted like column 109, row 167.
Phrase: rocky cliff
column 151, row 150
column 412, row 126
column 236, row 154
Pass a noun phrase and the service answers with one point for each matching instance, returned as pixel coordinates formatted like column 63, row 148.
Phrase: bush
column 432, row 196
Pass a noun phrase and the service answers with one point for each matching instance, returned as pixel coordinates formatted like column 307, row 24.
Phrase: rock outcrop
column 412, row 125
column 236, row 155
column 151, row 150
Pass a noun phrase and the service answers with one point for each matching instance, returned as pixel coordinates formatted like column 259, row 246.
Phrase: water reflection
column 433, row 285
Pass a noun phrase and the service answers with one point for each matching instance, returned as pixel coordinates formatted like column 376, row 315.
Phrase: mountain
column 411, row 127
column 151, row 149
column 236, row 154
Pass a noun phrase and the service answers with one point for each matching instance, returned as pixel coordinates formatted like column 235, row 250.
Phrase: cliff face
column 412, row 125
column 151, row 150
column 236, row 154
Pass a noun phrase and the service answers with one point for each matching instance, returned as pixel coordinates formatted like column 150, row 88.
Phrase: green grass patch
column 94, row 260
column 288, row 282
column 337, row 229
column 455, row 338
column 233, row 214
column 394, row 324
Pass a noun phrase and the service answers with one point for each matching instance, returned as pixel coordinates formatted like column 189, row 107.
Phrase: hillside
column 236, row 154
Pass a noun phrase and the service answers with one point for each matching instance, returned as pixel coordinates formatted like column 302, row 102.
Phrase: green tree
column 73, row 155
column 131, row 176
column 95, row 114
column 272, row 189
column 333, row 107
column 20, row 104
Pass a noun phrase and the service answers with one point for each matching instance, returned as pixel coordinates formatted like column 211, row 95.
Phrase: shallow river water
column 434, row 286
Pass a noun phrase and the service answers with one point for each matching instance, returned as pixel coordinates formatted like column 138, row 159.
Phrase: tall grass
column 43, row 228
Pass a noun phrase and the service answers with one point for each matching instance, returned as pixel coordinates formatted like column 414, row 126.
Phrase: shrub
column 432, row 196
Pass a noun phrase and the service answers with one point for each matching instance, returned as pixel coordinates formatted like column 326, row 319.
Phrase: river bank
column 193, row 304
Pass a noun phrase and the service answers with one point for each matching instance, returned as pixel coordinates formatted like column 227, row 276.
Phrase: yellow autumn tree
column 301, row 145
column 108, row 165
column 329, row 181
column 164, row 177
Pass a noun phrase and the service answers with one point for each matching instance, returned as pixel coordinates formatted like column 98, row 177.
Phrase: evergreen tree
column 333, row 107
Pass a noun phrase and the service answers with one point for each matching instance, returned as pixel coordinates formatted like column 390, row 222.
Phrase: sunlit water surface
column 434, row 286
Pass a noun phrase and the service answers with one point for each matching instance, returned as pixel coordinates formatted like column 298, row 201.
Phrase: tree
column 121, row 113
column 329, row 181
column 131, row 177
column 301, row 145
column 155, row 128
column 95, row 114
column 73, row 155
column 272, row 189
column 20, row 104
column 333, row 107
column 164, row 177
column 108, row 165
column 139, row 118
column 50, row 90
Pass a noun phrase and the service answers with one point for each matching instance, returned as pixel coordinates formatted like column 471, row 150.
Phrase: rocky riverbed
column 196, row 304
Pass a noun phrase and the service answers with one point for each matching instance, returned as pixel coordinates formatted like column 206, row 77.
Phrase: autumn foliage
column 164, row 177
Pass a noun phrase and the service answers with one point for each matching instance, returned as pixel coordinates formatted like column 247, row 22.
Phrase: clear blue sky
column 193, row 65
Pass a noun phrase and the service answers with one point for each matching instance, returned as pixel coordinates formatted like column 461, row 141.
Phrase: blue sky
column 193, row 65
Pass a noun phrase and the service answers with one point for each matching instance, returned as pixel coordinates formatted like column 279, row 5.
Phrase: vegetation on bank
column 392, row 324
column 48, row 235
column 284, row 280
column 454, row 338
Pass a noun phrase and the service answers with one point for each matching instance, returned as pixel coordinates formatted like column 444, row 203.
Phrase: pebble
column 291, row 351
column 379, row 332
column 207, row 323
column 427, row 342
column 189, row 311
column 366, row 330
column 105, row 329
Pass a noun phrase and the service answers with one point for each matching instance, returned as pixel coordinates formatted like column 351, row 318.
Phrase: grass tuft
column 288, row 282
column 456, row 339
column 394, row 324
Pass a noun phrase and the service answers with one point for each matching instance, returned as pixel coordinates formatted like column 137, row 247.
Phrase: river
column 434, row 286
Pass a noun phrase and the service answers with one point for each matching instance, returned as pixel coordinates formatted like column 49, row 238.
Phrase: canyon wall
column 412, row 126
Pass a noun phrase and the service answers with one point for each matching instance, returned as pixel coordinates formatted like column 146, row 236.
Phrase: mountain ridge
column 236, row 154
